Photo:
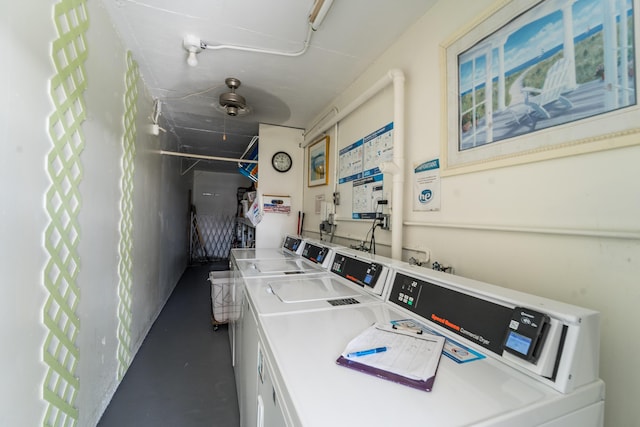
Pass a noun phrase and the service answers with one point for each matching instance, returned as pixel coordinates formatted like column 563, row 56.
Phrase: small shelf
column 245, row 233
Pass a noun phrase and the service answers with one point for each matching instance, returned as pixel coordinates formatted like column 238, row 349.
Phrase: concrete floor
column 182, row 375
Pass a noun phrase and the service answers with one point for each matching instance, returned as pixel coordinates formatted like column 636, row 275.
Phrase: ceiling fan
column 232, row 103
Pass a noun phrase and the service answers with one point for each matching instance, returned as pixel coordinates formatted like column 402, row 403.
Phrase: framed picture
column 318, row 162
column 532, row 80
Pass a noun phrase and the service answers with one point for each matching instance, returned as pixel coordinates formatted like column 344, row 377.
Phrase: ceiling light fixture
column 193, row 46
column 192, row 59
column 317, row 14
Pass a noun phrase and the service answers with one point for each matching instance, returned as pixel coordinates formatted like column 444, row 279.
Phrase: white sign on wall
column 362, row 158
column 366, row 193
column 426, row 186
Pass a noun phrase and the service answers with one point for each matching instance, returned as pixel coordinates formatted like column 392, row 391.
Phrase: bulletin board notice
column 366, row 193
column 377, row 148
column 363, row 157
column 350, row 162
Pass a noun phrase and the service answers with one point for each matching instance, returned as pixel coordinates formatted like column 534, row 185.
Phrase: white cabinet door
column 269, row 409
column 246, row 366
column 233, row 323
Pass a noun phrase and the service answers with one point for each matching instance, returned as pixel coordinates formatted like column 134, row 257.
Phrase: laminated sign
column 277, row 204
column 426, row 186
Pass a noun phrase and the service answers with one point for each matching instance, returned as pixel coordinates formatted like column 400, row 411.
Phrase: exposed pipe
column 396, row 77
column 397, row 205
column 334, row 110
column 581, row 232
column 319, row 10
column 364, row 97
column 199, row 156
column 305, row 47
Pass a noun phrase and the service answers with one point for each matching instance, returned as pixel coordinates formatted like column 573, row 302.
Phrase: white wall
column 533, row 227
column 371, row 116
column 160, row 218
column 215, row 196
column 216, row 192
column 23, row 110
column 160, row 215
column 271, row 182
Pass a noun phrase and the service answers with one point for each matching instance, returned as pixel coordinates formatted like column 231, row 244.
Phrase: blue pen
column 367, row 352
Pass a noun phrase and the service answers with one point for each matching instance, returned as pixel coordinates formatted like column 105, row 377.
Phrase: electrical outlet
column 386, row 222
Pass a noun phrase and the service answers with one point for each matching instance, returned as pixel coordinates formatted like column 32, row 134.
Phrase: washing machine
column 284, row 262
column 259, row 262
column 509, row 359
column 291, row 246
column 349, row 281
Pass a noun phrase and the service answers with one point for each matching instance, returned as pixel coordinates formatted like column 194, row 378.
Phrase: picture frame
column 586, row 99
column 318, row 162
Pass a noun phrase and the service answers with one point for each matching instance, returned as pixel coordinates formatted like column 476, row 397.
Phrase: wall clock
column 281, row 161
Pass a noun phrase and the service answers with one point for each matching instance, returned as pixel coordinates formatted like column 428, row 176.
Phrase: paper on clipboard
column 455, row 351
column 410, row 359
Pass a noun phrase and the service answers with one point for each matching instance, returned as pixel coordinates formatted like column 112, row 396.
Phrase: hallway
column 182, row 374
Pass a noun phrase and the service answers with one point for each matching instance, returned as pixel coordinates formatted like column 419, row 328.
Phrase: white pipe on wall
column 396, row 77
column 581, row 232
column 397, row 204
column 312, row 135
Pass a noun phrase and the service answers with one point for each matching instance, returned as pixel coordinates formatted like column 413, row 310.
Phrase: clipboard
column 407, row 354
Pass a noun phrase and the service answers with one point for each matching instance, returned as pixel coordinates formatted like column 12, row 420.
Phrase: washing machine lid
column 290, row 266
column 311, row 289
column 277, row 295
column 261, row 253
column 277, row 267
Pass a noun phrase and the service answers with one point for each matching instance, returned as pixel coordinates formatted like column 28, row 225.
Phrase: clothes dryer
column 492, row 388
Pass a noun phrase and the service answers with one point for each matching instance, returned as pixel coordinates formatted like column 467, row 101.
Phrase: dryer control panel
column 316, row 253
column 556, row 343
column 476, row 319
column 370, row 275
column 293, row 244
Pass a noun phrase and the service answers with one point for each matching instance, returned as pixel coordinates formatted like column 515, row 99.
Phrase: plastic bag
column 254, row 213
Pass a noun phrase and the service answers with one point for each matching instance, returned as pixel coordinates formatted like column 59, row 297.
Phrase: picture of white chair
column 555, row 84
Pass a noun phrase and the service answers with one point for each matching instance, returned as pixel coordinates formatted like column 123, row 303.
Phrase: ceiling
column 280, row 90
